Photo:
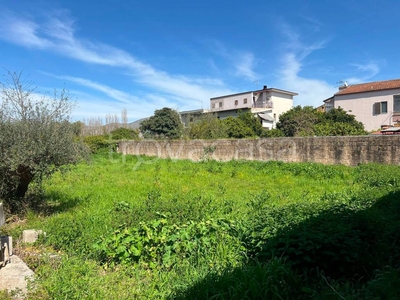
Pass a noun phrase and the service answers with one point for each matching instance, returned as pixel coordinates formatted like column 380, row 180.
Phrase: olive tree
column 36, row 136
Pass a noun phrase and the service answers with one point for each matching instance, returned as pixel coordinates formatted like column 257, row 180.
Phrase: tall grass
column 128, row 227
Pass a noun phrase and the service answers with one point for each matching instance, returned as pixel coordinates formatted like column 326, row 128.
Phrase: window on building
column 245, row 101
column 396, row 103
column 213, row 105
column 380, row 108
column 236, row 102
column 329, row 105
column 384, row 107
column 220, row 104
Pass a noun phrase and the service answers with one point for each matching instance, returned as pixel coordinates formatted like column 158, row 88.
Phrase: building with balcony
column 267, row 104
column 375, row 104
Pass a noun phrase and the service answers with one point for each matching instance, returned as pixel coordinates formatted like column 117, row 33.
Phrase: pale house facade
column 267, row 104
column 375, row 104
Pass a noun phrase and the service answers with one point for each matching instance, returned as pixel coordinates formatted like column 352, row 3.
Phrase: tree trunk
column 25, row 177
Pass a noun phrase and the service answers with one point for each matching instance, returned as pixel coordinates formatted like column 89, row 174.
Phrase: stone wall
column 349, row 150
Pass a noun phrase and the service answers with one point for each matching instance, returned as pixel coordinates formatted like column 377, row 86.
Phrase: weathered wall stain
column 350, row 150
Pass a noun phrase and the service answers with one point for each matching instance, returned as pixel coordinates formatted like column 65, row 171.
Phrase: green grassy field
column 146, row 228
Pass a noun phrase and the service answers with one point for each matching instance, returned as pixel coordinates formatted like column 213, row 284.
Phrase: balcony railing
column 268, row 104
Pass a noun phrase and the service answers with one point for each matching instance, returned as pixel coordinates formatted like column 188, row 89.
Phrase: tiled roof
column 370, row 87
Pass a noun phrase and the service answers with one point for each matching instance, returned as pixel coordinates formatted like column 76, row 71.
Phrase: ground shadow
column 342, row 243
column 55, row 202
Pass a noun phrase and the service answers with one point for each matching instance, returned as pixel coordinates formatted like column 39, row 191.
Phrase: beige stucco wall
column 282, row 103
column 229, row 102
column 361, row 106
column 327, row 150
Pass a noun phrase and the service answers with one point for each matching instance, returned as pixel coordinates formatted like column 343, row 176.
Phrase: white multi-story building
column 268, row 104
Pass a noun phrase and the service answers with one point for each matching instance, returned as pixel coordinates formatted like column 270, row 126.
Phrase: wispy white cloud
column 22, row 32
column 57, row 35
column 312, row 23
column 245, row 65
column 109, row 91
column 295, row 45
column 90, row 106
column 369, row 70
column 242, row 62
column 94, row 106
column 312, row 91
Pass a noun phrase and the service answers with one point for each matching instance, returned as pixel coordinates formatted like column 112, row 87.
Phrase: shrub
column 160, row 244
column 124, row 134
column 271, row 133
column 97, row 143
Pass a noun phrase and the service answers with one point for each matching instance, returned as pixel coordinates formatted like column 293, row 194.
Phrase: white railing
column 268, row 104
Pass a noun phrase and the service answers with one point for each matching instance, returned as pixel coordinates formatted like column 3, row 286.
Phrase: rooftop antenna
column 343, row 83
column 256, row 83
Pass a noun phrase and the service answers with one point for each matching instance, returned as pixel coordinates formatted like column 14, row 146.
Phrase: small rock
column 30, row 235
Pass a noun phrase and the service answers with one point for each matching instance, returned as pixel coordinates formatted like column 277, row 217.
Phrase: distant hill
column 136, row 124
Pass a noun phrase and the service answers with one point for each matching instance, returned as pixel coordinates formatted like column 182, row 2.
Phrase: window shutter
column 377, row 108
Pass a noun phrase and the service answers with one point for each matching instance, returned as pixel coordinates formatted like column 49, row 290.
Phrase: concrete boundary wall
column 348, row 150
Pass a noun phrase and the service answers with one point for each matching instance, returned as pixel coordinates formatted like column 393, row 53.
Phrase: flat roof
column 194, row 111
column 257, row 91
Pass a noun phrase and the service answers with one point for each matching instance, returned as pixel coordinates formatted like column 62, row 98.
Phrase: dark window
column 380, row 108
column 396, row 103
column 384, row 109
column 236, row 102
column 220, row 104
column 245, row 101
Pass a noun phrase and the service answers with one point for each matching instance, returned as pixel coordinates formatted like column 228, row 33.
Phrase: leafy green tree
column 236, row 128
column 208, row 127
column 347, row 123
column 339, row 115
column 165, row 123
column 331, row 128
column 299, row 121
column 36, row 137
column 307, row 121
column 251, row 122
column 78, row 127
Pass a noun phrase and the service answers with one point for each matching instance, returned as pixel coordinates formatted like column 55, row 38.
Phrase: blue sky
column 146, row 55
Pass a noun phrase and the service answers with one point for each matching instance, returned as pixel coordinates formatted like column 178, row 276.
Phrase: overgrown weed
column 298, row 230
